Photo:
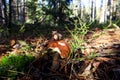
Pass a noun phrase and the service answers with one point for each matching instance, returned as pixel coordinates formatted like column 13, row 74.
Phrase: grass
column 78, row 34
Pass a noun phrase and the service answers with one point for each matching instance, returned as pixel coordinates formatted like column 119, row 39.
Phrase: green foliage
column 25, row 48
column 4, row 31
column 92, row 55
column 22, row 29
column 15, row 65
column 59, row 10
column 78, row 34
column 52, row 12
column 35, row 12
column 32, row 4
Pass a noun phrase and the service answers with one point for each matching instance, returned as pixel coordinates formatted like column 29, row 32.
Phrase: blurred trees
column 58, row 9
column 56, row 12
column 49, row 11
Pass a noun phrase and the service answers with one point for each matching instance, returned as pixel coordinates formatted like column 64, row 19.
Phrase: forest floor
column 103, row 66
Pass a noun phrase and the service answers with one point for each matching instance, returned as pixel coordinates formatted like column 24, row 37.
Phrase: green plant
column 92, row 55
column 4, row 31
column 14, row 65
column 22, row 29
column 25, row 48
column 78, row 33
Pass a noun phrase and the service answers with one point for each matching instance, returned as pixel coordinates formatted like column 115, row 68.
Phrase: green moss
column 14, row 65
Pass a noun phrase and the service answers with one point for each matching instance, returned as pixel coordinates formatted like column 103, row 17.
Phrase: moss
column 14, row 65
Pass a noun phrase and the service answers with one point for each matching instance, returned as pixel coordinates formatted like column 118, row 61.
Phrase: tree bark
column 5, row 12
column 10, row 15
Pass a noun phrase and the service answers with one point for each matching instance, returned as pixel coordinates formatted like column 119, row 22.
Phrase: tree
column 58, row 9
column 10, row 15
column 3, row 11
column 32, row 12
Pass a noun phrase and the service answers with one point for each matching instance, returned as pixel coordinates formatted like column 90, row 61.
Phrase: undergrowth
column 78, row 34
column 13, row 66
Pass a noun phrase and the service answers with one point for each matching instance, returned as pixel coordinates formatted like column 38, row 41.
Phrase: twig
column 16, row 72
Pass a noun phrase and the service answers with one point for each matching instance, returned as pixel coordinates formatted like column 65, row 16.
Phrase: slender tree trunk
column 17, row 10
column 22, row 11
column 5, row 12
column 95, row 10
column 10, row 15
column 92, row 10
column 1, row 15
column 80, row 10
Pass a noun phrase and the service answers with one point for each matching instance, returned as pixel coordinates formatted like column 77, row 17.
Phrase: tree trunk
column 1, row 19
column 17, row 3
column 10, row 15
column 5, row 12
